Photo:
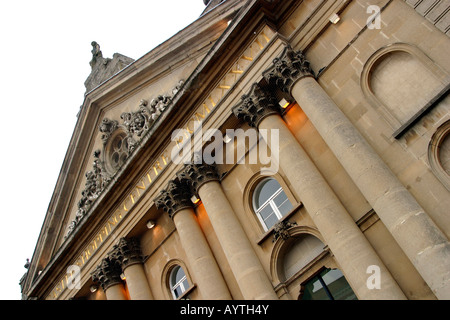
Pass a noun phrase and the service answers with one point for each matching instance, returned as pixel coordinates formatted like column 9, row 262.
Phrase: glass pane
column 338, row 285
column 314, row 290
column 283, row 204
column 266, row 212
column 264, row 192
column 177, row 291
column 179, row 275
column 271, row 220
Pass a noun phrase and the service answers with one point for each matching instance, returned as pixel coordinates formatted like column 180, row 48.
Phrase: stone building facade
column 270, row 150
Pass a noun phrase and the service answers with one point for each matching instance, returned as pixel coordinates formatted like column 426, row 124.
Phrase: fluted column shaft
column 422, row 241
column 175, row 200
column 351, row 248
column 245, row 265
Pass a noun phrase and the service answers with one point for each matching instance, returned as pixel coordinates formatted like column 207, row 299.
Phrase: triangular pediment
column 131, row 112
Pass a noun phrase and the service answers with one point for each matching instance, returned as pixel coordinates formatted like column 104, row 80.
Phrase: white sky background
column 44, row 55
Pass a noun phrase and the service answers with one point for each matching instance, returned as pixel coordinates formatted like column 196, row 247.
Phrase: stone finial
column 197, row 174
column 256, row 105
column 96, row 53
column 127, row 252
column 286, row 69
column 175, row 197
column 107, row 273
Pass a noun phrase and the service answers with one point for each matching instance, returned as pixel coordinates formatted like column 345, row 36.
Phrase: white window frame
column 179, row 284
column 269, row 202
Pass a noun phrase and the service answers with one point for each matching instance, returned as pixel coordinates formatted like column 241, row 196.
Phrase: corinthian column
column 175, row 200
column 352, row 250
column 244, row 263
column 128, row 255
column 422, row 241
column 108, row 275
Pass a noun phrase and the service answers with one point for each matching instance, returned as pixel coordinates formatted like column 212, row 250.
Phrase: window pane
column 271, row 220
column 338, row 285
column 264, row 191
column 177, row 291
column 283, row 204
column 314, row 290
column 266, row 212
column 179, row 275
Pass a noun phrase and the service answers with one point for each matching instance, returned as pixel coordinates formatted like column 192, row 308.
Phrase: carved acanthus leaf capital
column 126, row 252
column 197, row 174
column 286, row 69
column 256, row 105
column 175, row 197
column 107, row 273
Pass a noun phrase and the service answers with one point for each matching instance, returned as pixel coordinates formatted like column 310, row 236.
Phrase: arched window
column 270, row 202
column 178, row 282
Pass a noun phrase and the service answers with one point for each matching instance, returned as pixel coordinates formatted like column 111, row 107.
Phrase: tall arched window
column 270, row 202
column 178, row 282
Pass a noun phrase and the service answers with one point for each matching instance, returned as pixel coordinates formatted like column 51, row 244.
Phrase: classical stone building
column 270, row 150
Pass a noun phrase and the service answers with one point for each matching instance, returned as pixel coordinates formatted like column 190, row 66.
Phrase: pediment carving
column 119, row 142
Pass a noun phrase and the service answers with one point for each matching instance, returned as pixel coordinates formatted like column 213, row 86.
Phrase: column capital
column 126, row 252
column 107, row 273
column 197, row 174
column 175, row 197
column 256, row 105
column 287, row 69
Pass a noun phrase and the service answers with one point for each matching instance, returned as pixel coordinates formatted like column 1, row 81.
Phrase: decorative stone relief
column 256, row 105
column 107, row 127
column 280, row 230
column 134, row 126
column 107, row 273
column 286, row 69
column 126, row 252
column 196, row 174
column 96, row 180
column 175, row 197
